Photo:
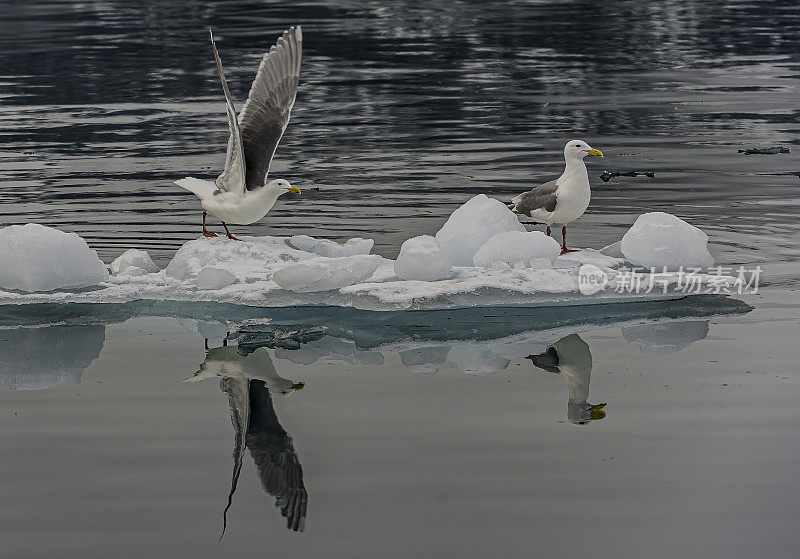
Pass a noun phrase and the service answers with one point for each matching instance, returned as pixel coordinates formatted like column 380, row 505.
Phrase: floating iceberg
column 659, row 239
column 471, row 225
column 421, row 258
column 38, row 258
column 513, row 247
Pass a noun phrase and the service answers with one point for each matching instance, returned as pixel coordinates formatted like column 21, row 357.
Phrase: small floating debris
column 765, row 151
column 608, row 175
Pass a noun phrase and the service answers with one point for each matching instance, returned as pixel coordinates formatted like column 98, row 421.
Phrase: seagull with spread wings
column 241, row 193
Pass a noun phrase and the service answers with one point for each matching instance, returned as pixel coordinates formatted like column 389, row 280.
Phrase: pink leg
column 548, row 230
column 564, row 248
column 207, row 233
column 229, row 233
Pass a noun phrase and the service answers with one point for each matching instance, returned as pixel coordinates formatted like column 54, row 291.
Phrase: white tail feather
column 201, row 188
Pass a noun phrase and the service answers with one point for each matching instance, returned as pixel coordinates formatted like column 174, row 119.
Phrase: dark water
column 405, row 109
column 447, row 434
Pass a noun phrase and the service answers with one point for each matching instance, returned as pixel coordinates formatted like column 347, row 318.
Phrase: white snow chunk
column 38, row 258
column 327, row 274
column 133, row 258
column 214, row 278
column 421, row 258
column 514, row 247
column 331, row 249
column 253, row 259
column 471, row 225
column 133, row 271
column 613, row 250
column 659, row 239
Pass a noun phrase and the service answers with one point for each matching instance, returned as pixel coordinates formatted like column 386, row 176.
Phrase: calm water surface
column 426, row 434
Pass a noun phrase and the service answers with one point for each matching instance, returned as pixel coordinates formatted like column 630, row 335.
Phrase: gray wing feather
column 232, row 177
column 265, row 114
column 542, row 197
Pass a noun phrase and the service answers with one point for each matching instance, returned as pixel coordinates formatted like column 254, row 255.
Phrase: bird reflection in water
column 249, row 382
column 570, row 357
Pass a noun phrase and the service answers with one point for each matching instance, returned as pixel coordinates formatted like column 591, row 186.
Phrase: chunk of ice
column 421, row 258
column 471, row 225
column 214, row 278
column 38, row 258
column 331, row 249
column 256, row 258
column 513, row 247
column 659, row 239
column 133, row 258
column 327, row 274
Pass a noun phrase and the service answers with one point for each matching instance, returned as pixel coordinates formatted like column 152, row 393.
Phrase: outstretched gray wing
column 542, row 197
column 232, row 177
column 265, row 114
column 276, row 461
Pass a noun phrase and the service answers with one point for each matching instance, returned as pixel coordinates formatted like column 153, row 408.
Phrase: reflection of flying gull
column 570, row 357
column 562, row 200
column 241, row 194
column 248, row 382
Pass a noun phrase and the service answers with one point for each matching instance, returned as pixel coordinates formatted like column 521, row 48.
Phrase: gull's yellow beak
column 596, row 410
column 297, row 191
column 298, row 385
column 596, row 152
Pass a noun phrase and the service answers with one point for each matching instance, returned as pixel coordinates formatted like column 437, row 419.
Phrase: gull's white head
column 578, row 149
column 281, row 186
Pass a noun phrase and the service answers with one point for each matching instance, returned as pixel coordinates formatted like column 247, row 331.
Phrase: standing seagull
column 241, row 194
column 563, row 200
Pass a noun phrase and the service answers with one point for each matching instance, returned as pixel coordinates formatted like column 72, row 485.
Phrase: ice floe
column 481, row 257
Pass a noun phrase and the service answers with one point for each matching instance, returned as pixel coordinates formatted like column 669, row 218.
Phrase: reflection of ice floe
column 475, row 360
column 37, row 358
column 330, row 350
column 424, row 360
column 570, row 357
column 666, row 337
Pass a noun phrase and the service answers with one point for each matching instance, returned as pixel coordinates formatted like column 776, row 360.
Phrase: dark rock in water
column 608, row 175
column 764, row 151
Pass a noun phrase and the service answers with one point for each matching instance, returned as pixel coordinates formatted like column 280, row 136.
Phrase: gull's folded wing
column 265, row 114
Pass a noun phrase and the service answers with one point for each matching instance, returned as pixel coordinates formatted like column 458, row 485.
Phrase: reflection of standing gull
column 248, row 382
column 570, row 357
